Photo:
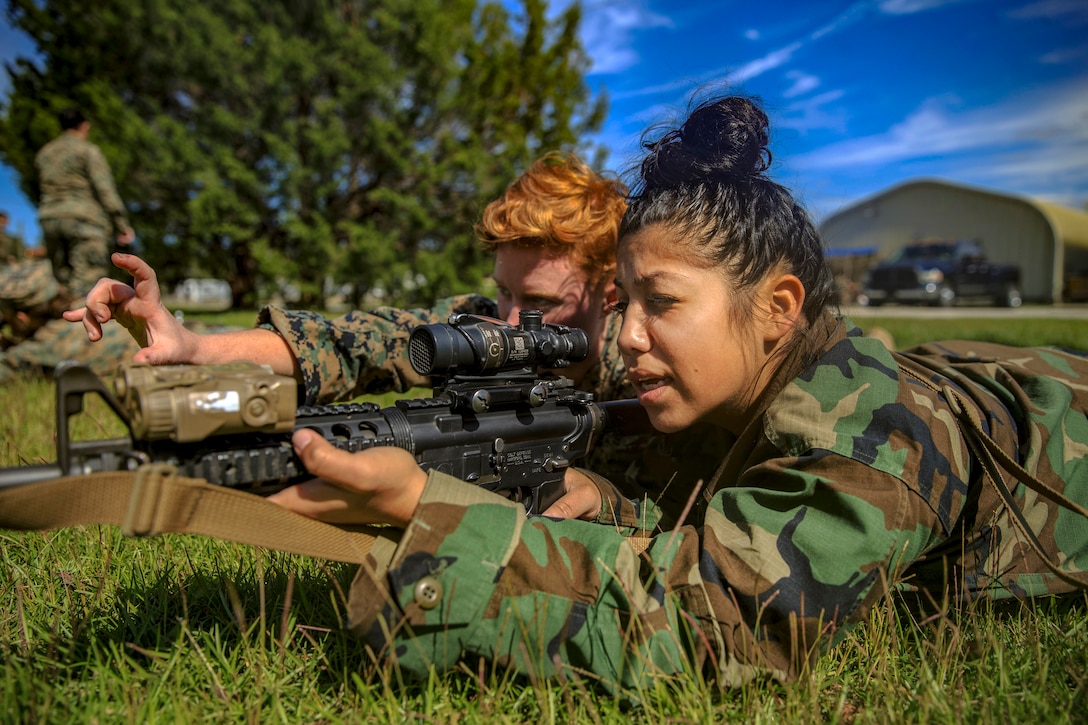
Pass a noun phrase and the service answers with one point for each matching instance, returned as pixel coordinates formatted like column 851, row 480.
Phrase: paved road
column 1049, row 312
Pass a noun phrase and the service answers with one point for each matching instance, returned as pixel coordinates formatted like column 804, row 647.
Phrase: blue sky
column 862, row 95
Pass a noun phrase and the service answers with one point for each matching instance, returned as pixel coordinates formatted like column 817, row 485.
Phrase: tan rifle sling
column 154, row 500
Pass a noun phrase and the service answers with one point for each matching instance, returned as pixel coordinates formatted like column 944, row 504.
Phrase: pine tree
column 305, row 140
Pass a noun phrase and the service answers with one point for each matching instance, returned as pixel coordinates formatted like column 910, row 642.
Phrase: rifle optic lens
column 474, row 345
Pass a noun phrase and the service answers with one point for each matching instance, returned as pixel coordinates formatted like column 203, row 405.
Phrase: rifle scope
column 474, row 345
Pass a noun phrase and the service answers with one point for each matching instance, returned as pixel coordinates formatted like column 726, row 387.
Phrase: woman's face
column 687, row 357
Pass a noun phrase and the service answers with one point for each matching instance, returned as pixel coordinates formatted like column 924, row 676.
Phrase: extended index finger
column 144, row 279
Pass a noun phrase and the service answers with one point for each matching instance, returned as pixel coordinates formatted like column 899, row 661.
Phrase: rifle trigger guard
column 143, row 518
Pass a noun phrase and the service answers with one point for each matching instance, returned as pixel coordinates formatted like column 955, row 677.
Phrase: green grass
column 95, row 627
column 1017, row 331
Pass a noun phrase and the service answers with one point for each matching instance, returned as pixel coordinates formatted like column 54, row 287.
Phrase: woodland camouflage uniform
column 856, row 476
column 80, row 210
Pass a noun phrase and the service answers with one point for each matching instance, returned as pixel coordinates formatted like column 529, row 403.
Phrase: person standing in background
column 11, row 247
column 79, row 206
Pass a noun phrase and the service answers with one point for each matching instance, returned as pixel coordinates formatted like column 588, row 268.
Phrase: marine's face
column 530, row 278
column 687, row 358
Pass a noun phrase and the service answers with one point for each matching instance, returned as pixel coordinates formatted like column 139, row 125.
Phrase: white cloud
column 811, row 114
column 802, row 84
column 848, row 17
column 1064, row 56
column 909, row 7
column 1038, row 137
column 670, row 88
column 736, row 74
column 759, row 66
column 727, row 75
column 608, row 30
column 608, row 36
column 1075, row 10
column 1047, row 166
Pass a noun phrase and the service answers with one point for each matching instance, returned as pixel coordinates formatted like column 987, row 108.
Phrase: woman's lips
column 647, row 384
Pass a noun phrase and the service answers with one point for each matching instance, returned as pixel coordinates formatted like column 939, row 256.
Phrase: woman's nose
column 632, row 336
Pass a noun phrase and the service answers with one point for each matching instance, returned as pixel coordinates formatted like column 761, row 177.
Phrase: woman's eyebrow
column 646, row 279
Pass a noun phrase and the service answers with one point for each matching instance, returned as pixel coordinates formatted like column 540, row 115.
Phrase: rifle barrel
column 29, row 474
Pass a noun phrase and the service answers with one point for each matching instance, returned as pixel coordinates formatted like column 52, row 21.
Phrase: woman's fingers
column 380, row 485
column 582, row 499
column 324, row 460
column 320, row 500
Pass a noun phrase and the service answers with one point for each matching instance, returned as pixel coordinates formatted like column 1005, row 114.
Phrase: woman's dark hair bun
column 723, row 140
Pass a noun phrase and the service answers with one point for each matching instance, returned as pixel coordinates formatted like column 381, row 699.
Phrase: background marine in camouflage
column 79, row 206
column 32, row 301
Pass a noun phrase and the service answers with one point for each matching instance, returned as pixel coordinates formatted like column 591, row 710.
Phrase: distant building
column 1049, row 242
column 203, row 291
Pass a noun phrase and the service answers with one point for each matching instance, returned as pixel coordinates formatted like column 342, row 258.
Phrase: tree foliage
column 353, row 141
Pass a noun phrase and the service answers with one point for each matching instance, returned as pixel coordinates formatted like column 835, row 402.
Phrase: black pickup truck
column 940, row 273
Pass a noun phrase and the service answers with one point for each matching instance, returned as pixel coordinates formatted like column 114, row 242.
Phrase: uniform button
column 428, row 592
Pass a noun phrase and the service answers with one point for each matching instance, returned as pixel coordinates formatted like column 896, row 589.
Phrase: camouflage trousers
column 79, row 252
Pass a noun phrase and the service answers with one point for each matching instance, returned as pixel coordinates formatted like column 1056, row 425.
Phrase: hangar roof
column 1070, row 225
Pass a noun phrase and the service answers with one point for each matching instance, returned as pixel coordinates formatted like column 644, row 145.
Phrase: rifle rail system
column 493, row 421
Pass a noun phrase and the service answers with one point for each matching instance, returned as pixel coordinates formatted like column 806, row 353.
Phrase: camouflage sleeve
column 102, row 181
column 784, row 559
column 360, row 353
column 60, row 340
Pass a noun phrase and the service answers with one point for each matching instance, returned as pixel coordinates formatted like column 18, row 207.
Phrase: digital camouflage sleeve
column 855, row 478
column 360, row 353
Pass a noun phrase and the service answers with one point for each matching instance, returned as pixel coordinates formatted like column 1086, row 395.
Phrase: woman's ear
column 786, row 297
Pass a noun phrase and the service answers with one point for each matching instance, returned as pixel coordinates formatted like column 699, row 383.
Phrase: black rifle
column 494, row 421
